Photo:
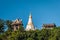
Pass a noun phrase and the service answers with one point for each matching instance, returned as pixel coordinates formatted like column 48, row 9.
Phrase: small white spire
column 30, row 15
column 30, row 25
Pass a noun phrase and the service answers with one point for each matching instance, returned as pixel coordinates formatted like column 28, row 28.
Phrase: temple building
column 30, row 25
column 48, row 26
column 16, row 24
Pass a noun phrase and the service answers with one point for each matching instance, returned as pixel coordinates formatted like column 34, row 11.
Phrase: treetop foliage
column 21, row 34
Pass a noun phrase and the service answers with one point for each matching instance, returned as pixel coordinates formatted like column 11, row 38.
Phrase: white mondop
column 30, row 25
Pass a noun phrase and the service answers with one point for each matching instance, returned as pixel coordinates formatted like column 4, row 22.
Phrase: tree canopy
column 21, row 34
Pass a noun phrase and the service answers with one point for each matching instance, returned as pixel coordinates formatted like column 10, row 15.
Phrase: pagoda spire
column 30, row 25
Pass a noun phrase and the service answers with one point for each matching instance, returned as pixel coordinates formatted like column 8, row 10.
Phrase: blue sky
column 43, row 11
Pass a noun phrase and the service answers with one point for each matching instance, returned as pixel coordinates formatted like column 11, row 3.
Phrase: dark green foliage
column 30, row 39
column 21, row 28
column 8, row 23
column 44, row 34
column 21, row 34
column 1, row 25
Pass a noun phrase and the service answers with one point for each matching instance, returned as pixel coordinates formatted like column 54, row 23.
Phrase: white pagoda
column 30, row 25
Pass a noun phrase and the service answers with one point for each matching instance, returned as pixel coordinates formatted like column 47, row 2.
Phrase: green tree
column 1, row 25
column 8, row 23
column 21, row 28
column 55, row 34
column 30, row 39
